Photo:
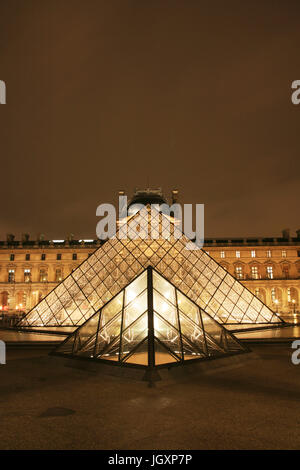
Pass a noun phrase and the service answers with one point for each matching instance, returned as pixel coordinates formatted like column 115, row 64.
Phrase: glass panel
column 66, row 347
column 189, row 308
column 164, row 287
column 135, row 288
column 167, row 335
column 135, row 309
column 165, row 309
column 86, row 347
column 134, row 334
column 193, row 333
column 111, row 309
column 111, row 353
column 189, row 351
column 89, row 329
column 232, row 343
column 140, row 355
column 108, row 333
column 162, row 355
column 211, row 327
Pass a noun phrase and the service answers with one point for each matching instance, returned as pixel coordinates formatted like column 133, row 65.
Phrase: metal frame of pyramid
column 150, row 324
column 118, row 261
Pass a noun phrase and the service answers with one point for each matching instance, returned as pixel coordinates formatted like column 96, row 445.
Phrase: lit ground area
column 250, row 405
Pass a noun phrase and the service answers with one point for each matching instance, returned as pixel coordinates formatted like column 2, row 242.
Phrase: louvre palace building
column 269, row 267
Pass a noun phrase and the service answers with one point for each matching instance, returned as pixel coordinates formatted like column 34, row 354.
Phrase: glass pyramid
column 150, row 323
column 118, row 261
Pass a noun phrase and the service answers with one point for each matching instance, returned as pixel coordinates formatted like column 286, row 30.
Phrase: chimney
column 25, row 237
column 286, row 233
column 174, row 196
column 10, row 238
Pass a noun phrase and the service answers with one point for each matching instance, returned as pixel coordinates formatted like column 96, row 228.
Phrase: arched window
column 254, row 272
column 11, row 275
column 58, row 274
column 27, row 275
column 239, row 273
column 276, row 297
column 292, row 295
column 43, row 275
column 270, row 273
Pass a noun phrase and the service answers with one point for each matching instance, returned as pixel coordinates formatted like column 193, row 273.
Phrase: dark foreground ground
column 46, row 405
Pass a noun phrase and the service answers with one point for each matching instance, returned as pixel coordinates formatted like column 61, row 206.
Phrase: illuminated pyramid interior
column 118, row 261
column 150, row 323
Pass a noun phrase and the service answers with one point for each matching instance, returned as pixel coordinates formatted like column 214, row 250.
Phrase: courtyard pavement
column 252, row 405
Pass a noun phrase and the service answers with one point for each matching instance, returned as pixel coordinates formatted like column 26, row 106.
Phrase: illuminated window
column 238, row 254
column 43, row 275
column 253, row 254
column 27, row 275
column 222, row 254
column 254, row 272
column 58, row 275
column 269, row 254
column 270, row 272
column 11, row 275
column 239, row 272
column 283, row 253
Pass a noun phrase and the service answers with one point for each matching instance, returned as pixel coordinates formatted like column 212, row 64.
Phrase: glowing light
column 130, row 295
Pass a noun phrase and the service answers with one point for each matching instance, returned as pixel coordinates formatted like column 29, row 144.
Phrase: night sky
column 109, row 95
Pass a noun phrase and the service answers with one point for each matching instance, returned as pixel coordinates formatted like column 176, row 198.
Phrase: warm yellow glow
column 130, row 295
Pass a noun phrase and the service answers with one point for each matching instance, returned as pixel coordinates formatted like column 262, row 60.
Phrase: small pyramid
column 119, row 260
column 150, row 323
